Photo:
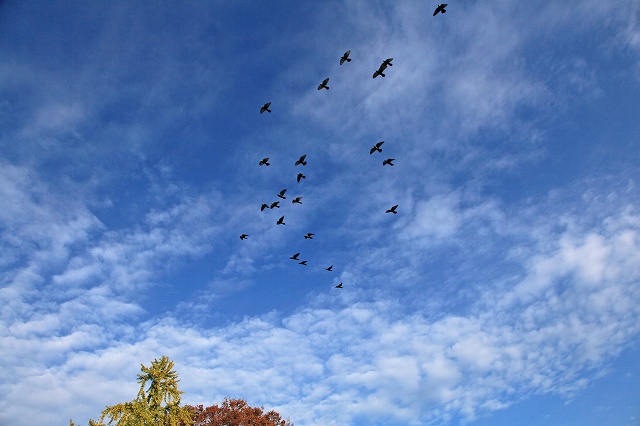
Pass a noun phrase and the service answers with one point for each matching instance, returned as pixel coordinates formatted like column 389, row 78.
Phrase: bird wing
column 372, row 150
column 379, row 144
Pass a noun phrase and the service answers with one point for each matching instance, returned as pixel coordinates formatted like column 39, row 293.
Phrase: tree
column 148, row 409
column 236, row 412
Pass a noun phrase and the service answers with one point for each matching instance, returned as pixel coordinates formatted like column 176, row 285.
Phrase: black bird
column 309, row 236
column 297, row 200
column 304, row 262
column 295, row 256
column 301, row 160
column 388, row 161
column 281, row 194
column 376, row 147
column 275, row 205
column 324, row 83
column 330, row 268
column 300, row 176
column 339, row 285
column 345, row 57
column 393, row 210
column 243, row 236
column 265, row 107
column 264, row 162
column 264, row 206
column 281, row 221
column 440, row 8
column 383, row 66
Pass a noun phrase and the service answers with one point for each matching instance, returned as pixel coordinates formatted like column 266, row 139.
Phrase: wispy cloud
column 128, row 174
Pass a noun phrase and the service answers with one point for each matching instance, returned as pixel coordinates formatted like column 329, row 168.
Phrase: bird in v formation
column 301, row 161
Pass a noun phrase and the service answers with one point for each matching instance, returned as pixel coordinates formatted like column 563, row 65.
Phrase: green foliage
column 157, row 402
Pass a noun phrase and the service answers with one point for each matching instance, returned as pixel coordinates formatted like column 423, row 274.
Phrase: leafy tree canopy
column 236, row 412
column 157, row 403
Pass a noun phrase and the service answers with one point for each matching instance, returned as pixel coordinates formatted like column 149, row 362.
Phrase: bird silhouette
column 301, row 160
column 265, row 107
column 281, row 194
column 345, row 57
column 440, row 8
column 281, row 221
column 264, row 162
column 296, row 200
column 330, row 268
column 339, row 285
column 383, row 66
column 300, row 176
column 309, row 236
column 324, row 83
column 243, row 236
column 275, row 205
column 295, row 256
column 376, row 147
column 388, row 161
column 264, row 206
column 393, row 210
column 304, row 262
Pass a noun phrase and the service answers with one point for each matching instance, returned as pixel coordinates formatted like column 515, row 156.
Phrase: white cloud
column 536, row 299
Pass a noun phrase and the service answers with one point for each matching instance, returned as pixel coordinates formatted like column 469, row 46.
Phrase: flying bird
column 264, row 162
column 243, row 236
column 383, row 66
column 376, row 147
column 296, row 200
column 324, row 83
column 281, row 221
column 309, row 236
column 281, row 194
column 304, row 262
column 388, row 161
column 264, row 206
column 295, row 256
column 265, row 107
column 275, row 205
column 393, row 210
column 330, row 268
column 345, row 57
column 339, row 285
column 300, row 176
column 440, row 8
column 301, row 160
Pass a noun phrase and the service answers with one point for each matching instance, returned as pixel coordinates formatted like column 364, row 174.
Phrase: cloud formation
column 129, row 168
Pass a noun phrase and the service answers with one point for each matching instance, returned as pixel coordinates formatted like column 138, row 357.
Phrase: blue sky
column 505, row 291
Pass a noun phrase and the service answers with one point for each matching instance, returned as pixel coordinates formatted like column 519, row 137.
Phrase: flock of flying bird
column 302, row 160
